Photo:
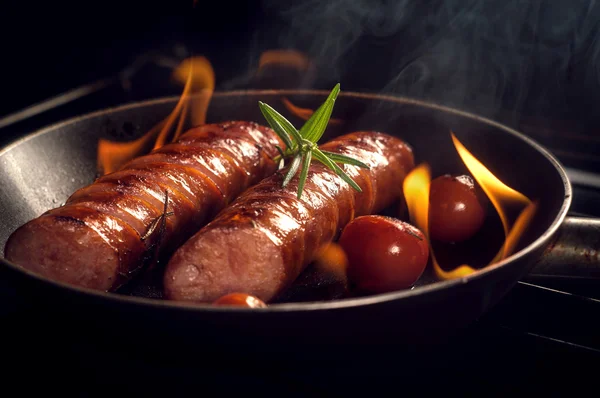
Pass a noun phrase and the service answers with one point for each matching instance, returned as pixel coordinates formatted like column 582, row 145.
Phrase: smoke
column 331, row 28
column 482, row 55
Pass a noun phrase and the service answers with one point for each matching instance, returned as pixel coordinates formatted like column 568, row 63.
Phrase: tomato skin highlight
column 384, row 253
column 456, row 209
column 240, row 300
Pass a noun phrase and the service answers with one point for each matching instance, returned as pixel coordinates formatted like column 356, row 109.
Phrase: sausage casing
column 116, row 225
column 261, row 242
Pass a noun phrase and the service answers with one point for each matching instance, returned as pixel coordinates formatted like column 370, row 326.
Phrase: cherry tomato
column 456, row 210
column 384, row 253
column 240, row 300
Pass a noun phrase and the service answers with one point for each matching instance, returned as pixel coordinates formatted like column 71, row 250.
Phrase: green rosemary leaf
column 279, row 158
column 315, row 126
column 346, row 177
column 336, row 157
column 267, row 112
column 304, row 172
column 280, row 151
column 320, row 156
column 301, row 145
column 284, row 123
column 294, row 165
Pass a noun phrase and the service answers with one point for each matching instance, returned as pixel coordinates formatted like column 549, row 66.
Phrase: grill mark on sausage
column 265, row 238
column 70, row 219
column 94, row 239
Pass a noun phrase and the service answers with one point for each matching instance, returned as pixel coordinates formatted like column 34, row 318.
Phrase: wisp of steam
column 480, row 55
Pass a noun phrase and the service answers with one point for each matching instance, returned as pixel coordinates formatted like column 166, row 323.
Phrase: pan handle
column 574, row 253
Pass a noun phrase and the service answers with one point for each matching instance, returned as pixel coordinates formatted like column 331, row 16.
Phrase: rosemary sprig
column 301, row 145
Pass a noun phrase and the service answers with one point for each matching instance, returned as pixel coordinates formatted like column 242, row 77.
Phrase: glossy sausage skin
column 100, row 237
column 261, row 242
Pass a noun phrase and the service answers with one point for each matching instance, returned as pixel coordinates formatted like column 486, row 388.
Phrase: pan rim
column 346, row 303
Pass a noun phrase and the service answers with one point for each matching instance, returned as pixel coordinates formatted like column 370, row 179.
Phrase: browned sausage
column 261, row 242
column 108, row 230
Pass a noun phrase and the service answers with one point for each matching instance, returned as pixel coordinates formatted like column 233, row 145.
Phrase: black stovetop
column 537, row 337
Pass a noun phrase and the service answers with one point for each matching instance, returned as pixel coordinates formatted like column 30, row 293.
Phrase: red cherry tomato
column 240, row 300
column 384, row 253
column 456, row 211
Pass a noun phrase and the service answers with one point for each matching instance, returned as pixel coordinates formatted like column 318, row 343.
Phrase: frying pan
column 41, row 170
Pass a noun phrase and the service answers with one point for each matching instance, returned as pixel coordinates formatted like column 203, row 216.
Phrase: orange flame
column 417, row 185
column 283, row 68
column 304, row 113
column 281, row 59
column 293, row 59
column 501, row 196
column 198, row 78
column 331, row 259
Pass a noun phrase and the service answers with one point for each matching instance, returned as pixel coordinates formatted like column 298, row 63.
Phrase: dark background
column 534, row 57
column 50, row 47
column 534, row 65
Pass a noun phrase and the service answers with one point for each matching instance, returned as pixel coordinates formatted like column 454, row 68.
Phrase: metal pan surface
column 41, row 170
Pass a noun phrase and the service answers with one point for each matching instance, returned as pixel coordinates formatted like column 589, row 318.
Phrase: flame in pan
column 198, row 79
column 503, row 198
column 304, row 113
column 277, row 69
column 284, row 58
column 283, row 68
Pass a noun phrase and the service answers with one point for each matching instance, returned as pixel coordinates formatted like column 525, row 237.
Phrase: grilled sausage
column 261, row 242
column 113, row 227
